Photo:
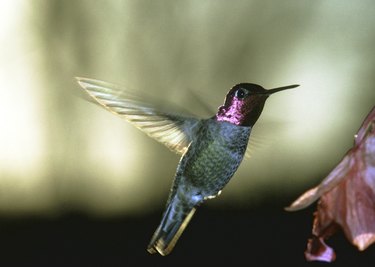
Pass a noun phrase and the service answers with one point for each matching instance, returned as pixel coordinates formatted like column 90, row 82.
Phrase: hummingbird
column 211, row 149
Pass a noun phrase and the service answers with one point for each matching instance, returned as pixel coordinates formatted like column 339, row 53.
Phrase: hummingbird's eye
column 240, row 93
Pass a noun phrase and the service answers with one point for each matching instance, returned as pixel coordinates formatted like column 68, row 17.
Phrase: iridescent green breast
column 214, row 156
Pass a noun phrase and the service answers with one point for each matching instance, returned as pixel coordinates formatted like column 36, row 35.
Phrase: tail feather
column 170, row 229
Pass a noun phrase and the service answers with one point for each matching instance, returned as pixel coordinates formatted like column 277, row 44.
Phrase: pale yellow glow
column 111, row 150
column 113, row 162
column 22, row 146
column 58, row 150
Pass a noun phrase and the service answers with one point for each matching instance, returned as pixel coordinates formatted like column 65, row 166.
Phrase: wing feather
column 174, row 131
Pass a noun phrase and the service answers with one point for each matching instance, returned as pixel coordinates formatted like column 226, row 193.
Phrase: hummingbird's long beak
column 278, row 89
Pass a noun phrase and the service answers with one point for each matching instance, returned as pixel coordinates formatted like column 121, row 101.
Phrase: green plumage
column 211, row 149
column 210, row 161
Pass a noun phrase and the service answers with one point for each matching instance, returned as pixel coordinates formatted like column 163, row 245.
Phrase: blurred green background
column 61, row 154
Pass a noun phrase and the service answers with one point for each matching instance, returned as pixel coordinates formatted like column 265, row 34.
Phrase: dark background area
column 263, row 236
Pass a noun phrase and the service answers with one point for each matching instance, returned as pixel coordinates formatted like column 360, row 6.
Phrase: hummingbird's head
column 244, row 103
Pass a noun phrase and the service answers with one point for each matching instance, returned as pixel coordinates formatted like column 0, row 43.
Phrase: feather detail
column 174, row 131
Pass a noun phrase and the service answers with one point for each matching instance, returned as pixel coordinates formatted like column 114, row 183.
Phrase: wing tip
column 85, row 83
column 98, row 86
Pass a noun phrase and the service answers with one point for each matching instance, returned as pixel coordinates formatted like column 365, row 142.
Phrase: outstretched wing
column 174, row 131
